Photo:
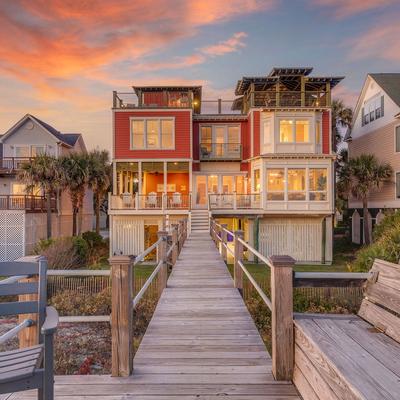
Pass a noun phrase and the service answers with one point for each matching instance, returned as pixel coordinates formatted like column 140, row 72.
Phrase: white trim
column 395, row 186
column 145, row 110
column 145, row 133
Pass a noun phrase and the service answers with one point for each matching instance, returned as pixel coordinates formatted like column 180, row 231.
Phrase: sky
column 60, row 60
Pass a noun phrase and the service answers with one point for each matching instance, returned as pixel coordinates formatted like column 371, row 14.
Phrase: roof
column 290, row 76
column 390, row 83
column 68, row 139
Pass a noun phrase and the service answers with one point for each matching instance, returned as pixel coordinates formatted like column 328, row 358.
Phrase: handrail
column 266, row 300
column 13, row 279
column 141, row 256
column 256, row 253
column 146, row 284
column 14, row 331
column 78, row 272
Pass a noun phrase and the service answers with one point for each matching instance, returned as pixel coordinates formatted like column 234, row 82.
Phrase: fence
column 277, row 292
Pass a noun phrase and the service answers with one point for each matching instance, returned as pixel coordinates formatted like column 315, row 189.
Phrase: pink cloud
column 380, row 41
column 347, row 8
column 230, row 45
column 348, row 96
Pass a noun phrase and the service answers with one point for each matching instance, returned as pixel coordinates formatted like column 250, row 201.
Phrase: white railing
column 151, row 201
column 235, row 201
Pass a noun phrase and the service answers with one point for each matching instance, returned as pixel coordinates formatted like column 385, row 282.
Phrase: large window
column 256, row 178
column 38, row 150
column 276, row 184
column 22, row 151
column 150, row 133
column 317, row 185
column 294, row 131
column 296, row 184
column 372, row 110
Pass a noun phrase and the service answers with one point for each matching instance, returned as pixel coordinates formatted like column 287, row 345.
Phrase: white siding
column 300, row 238
column 127, row 235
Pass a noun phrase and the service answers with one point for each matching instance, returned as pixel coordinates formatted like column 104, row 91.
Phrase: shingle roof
column 67, row 138
column 390, row 83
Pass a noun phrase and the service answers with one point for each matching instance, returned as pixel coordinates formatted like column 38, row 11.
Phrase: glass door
column 201, row 191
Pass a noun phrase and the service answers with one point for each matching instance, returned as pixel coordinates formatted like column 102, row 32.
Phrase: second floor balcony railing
column 151, row 201
column 25, row 202
column 12, row 164
column 220, row 151
column 234, row 201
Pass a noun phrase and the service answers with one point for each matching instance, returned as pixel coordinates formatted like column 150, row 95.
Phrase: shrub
column 93, row 239
column 61, row 253
column 81, row 248
column 70, row 302
column 386, row 245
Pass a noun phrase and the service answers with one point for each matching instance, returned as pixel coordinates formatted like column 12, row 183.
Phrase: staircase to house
column 200, row 220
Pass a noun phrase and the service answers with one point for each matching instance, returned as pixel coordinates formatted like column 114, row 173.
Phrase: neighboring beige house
column 22, row 216
column 376, row 130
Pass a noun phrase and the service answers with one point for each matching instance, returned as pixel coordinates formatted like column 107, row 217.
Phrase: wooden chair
column 349, row 356
column 31, row 367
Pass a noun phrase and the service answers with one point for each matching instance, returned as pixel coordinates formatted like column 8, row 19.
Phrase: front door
column 200, row 191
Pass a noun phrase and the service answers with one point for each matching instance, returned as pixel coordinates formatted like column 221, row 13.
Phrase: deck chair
column 176, row 200
column 152, row 200
column 31, row 367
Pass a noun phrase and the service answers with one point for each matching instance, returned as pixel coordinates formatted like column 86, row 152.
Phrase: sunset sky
column 60, row 60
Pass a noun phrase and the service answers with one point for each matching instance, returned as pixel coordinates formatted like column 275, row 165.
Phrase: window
column 397, row 185
column 294, row 131
column 286, row 131
column 212, row 183
column 372, row 110
column 318, row 132
column 397, row 138
column 240, row 184
column 296, row 184
column 256, row 175
column 152, row 134
column 37, row 150
column 22, row 151
column 276, row 184
column 227, row 184
column 317, row 184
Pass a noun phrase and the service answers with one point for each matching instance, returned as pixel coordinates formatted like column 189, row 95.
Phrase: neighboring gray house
column 22, row 214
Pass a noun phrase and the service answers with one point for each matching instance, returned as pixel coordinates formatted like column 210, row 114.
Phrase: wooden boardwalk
column 201, row 343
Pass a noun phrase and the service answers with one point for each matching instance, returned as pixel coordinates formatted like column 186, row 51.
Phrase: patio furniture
column 151, row 201
column 31, row 367
column 127, row 199
column 176, row 200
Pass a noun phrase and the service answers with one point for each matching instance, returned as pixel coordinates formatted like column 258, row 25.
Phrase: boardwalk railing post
column 121, row 316
column 238, row 256
column 282, row 317
column 224, row 242
column 174, row 255
column 162, row 257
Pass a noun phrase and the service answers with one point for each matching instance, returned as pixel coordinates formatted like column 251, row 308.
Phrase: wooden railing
column 168, row 245
column 283, row 279
column 12, row 164
column 25, row 202
column 170, row 201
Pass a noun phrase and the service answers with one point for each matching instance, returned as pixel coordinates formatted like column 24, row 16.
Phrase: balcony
column 150, row 202
column 11, row 165
column 26, row 202
column 220, row 151
column 234, row 201
column 291, row 99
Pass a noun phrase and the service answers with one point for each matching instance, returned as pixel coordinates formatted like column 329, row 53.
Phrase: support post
column 224, row 241
column 174, row 255
column 282, row 317
column 121, row 316
column 162, row 257
column 237, row 270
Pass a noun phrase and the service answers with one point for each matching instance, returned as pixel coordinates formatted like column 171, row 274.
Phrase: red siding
column 245, row 167
column 196, row 167
column 326, row 132
column 245, row 140
column 154, row 98
column 182, row 135
column 256, row 133
column 196, row 141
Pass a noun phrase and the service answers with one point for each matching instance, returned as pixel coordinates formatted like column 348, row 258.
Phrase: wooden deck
column 201, row 343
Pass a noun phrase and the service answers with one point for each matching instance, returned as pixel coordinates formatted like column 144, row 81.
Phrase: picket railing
column 282, row 281
column 168, row 245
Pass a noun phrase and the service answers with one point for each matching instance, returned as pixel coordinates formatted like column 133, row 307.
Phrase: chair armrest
column 50, row 324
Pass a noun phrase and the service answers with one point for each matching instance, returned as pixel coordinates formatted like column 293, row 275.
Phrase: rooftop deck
column 201, row 343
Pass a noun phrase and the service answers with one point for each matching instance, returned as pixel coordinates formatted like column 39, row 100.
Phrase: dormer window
column 372, row 110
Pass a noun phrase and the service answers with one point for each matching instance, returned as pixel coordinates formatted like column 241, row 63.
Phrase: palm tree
column 99, row 179
column 44, row 172
column 360, row 177
column 75, row 179
column 341, row 118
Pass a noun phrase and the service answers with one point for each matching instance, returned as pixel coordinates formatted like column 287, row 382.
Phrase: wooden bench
column 30, row 367
column 349, row 356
